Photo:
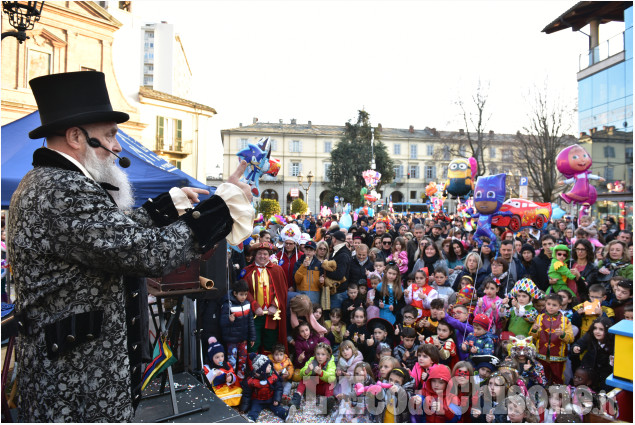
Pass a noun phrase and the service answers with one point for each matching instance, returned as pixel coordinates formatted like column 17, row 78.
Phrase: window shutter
column 160, row 124
column 434, row 171
column 300, row 167
column 300, row 149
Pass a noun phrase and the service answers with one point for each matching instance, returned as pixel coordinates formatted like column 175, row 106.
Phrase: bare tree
column 475, row 121
column 544, row 137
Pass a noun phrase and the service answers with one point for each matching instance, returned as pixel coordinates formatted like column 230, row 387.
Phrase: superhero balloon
column 489, row 195
column 574, row 163
column 461, row 175
column 257, row 157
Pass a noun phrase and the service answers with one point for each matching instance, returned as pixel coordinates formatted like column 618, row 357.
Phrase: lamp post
column 309, row 178
column 22, row 17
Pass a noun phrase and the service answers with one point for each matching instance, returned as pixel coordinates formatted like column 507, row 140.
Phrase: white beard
column 106, row 171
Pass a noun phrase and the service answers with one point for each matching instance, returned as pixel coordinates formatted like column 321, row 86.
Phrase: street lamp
column 309, row 178
column 22, row 17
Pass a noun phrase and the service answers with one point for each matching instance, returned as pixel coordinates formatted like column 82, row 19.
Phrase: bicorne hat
column 72, row 98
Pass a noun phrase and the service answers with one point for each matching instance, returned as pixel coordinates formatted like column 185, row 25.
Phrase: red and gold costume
column 552, row 349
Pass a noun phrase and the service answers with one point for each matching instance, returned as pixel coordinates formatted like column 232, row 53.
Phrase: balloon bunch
column 372, row 179
column 325, row 211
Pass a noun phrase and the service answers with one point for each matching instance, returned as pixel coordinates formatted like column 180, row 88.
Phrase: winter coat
column 358, row 271
column 326, row 374
column 540, row 278
column 343, row 259
column 399, row 352
column 484, row 344
column 284, row 364
column 588, row 277
column 403, row 256
column 287, row 262
column 461, row 330
column 596, row 357
column 307, row 278
column 242, row 328
column 451, row 411
column 263, row 390
column 307, row 346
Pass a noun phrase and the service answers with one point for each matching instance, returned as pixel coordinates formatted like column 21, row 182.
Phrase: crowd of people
column 405, row 317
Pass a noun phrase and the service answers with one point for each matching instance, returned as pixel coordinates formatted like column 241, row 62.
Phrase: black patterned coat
column 70, row 248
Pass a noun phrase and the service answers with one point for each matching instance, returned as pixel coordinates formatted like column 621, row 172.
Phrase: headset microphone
column 95, row 143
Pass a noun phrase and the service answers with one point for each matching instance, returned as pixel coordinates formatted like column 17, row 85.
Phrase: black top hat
column 70, row 99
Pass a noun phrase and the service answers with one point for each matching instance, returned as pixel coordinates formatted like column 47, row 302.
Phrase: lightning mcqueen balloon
column 524, row 213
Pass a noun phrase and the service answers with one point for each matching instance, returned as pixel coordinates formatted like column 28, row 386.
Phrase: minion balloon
column 461, row 176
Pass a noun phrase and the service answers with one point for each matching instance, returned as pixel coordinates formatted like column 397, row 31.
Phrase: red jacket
column 439, row 371
column 288, row 264
column 278, row 279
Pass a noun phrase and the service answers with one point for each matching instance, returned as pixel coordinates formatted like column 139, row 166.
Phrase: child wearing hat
column 479, row 342
column 522, row 313
column 220, row 374
column 263, row 389
column 559, row 270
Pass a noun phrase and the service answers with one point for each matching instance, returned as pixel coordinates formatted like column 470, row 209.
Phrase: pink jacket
column 403, row 257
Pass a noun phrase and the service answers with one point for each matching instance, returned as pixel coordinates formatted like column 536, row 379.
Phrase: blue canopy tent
column 149, row 174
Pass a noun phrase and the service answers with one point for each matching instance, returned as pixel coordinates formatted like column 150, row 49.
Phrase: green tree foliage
column 299, row 207
column 353, row 155
column 268, row 207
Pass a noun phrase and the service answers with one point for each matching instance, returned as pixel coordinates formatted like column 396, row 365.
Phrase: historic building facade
column 419, row 156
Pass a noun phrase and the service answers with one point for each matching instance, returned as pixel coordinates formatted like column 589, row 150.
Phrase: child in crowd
column 427, row 356
column 628, row 312
column 283, row 367
column 406, row 352
column 599, row 345
column 429, row 325
column 396, row 397
column 352, row 302
column 559, row 403
column 490, row 304
column 522, row 313
column 539, row 303
column 399, row 255
column 357, row 330
column 444, row 341
column 440, row 405
column 484, row 370
column 623, row 295
column 389, row 297
column 380, row 266
column 610, row 295
column 490, row 406
column 379, row 330
column 420, row 294
column 220, row 375
column 461, row 326
column 237, row 326
column 322, row 367
column 408, row 316
column 593, row 309
column 385, row 365
column 441, row 283
column 465, row 293
column 354, row 408
column 349, row 357
column 559, row 270
column 335, row 327
column 552, row 332
column 410, row 280
column 587, row 224
column 305, row 342
column 567, row 309
column 464, row 388
column 523, row 352
column 479, row 342
column 383, row 350
column 263, row 389
column 372, row 310
column 318, row 313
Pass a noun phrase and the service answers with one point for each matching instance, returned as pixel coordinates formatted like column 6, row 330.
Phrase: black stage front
column 195, row 395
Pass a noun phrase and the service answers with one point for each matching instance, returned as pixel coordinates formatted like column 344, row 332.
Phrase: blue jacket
column 242, row 328
column 484, row 344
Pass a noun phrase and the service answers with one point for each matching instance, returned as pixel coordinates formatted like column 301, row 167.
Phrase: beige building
column 423, row 155
column 70, row 36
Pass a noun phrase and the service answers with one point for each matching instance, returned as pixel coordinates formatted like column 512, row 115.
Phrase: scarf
column 428, row 262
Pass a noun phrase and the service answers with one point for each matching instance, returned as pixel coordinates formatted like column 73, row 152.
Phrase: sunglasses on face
column 387, row 243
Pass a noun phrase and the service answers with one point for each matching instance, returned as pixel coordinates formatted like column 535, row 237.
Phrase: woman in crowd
column 586, row 273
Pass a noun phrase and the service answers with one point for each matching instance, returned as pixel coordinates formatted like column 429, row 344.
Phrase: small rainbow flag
column 163, row 358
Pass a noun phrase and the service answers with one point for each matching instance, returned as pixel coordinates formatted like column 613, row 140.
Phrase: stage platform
column 195, row 395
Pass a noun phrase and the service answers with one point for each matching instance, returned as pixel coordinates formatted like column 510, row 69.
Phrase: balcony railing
column 176, row 147
column 603, row 51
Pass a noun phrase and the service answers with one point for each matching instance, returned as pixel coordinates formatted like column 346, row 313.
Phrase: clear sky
column 405, row 62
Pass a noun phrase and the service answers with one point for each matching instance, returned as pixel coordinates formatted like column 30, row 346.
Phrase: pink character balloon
column 574, row 163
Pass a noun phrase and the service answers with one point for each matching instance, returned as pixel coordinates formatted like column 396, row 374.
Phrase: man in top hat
column 268, row 297
column 78, row 255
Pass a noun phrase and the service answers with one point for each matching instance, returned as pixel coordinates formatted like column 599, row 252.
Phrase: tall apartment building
column 419, row 156
column 155, row 75
column 605, row 99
